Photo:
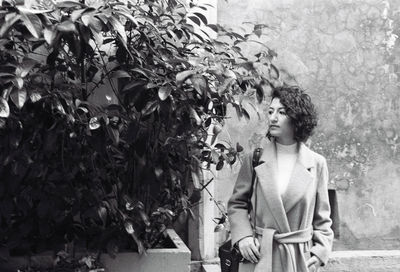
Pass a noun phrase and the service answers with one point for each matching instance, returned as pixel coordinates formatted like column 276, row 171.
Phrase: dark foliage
column 114, row 175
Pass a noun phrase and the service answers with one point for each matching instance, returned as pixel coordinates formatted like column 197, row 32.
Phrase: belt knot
column 269, row 235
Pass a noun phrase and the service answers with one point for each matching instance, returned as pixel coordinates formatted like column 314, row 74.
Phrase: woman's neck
column 285, row 141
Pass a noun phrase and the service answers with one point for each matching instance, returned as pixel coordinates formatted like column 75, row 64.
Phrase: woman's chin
column 275, row 135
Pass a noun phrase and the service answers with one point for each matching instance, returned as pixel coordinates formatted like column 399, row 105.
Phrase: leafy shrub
column 94, row 174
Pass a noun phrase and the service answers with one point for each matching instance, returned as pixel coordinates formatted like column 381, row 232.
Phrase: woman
column 293, row 226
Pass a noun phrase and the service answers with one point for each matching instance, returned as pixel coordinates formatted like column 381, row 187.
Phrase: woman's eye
column 283, row 112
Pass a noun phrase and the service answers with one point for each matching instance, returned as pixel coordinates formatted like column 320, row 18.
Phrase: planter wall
column 155, row 260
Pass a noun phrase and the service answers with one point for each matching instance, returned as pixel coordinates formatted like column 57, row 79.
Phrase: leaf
column 220, row 165
column 195, row 116
column 226, row 85
column 32, row 11
column 130, row 17
column 239, row 148
column 58, row 106
column 84, row 33
column 230, row 74
column 67, row 27
column 220, row 146
column 26, row 66
column 97, row 37
column 120, row 74
column 76, row 14
column 258, row 32
column 35, row 96
column 6, row 75
column 95, row 23
column 6, row 93
column 182, row 76
column 150, row 107
column 219, row 227
column 217, row 129
column 18, row 82
column 232, row 159
column 9, row 23
column 32, row 23
column 102, row 212
column 214, row 156
column 207, row 123
column 202, row 17
column 144, row 217
column 69, row 4
column 18, row 96
column 200, row 84
column 210, row 105
column 237, row 36
column 129, row 229
column 141, row 71
column 213, row 27
column 119, row 28
column 259, row 93
column 195, row 20
column 94, row 123
column 114, row 134
column 245, row 114
column 86, row 18
column 164, row 92
column 133, row 84
column 49, row 35
column 276, row 70
column 4, row 108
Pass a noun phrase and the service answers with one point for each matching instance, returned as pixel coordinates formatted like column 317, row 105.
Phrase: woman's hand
column 313, row 264
column 249, row 247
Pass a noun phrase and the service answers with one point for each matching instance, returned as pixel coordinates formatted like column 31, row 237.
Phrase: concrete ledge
column 347, row 261
column 155, row 260
column 363, row 261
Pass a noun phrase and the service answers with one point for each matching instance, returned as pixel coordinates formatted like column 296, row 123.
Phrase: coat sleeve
column 323, row 234
column 238, row 203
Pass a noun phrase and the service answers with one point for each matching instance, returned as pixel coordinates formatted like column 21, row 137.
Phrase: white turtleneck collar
column 292, row 149
column 286, row 159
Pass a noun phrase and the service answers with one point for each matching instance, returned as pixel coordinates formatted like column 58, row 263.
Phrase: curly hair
column 299, row 108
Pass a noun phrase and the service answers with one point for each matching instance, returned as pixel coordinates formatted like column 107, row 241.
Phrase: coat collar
column 298, row 184
column 305, row 156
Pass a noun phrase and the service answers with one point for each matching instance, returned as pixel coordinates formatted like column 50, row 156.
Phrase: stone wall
column 346, row 55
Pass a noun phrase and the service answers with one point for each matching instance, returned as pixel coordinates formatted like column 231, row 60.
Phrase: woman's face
column 280, row 126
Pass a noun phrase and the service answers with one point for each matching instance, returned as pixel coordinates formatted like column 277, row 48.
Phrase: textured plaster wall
column 345, row 54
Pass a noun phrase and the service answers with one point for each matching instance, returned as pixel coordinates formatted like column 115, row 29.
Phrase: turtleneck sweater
column 286, row 159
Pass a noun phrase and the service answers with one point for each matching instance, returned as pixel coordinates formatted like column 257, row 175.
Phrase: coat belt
column 287, row 252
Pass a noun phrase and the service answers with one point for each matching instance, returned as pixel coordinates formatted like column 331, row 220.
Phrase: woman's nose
column 273, row 117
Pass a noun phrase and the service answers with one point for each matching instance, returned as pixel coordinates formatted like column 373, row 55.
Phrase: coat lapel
column 300, row 179
column 266, row 172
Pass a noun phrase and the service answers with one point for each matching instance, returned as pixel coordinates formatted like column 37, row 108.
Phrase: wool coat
column 290, row 227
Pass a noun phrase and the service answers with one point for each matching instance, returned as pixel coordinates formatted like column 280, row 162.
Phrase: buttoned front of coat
column 303, row 207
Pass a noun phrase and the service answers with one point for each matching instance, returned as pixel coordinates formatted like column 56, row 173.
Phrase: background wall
column 346, row 55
